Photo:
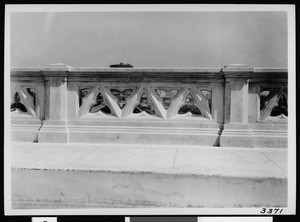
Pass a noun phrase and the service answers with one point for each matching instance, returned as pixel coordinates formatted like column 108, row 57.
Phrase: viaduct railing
column 235, row 106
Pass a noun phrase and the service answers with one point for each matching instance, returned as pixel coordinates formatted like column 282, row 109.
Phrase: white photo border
column 290, row 9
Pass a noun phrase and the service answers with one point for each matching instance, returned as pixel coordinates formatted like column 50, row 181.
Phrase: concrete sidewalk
column 235, row 162
column 146, row 175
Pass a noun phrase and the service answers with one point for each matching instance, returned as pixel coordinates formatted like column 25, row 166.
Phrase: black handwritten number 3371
column 271, row 210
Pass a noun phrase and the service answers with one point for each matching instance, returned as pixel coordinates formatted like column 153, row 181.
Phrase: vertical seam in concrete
column 245, row 102
column 221, row 128
column 39, row 129
column 66, row 122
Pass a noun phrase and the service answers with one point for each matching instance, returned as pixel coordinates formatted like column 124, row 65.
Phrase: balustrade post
column 237, row 106
column 236, row 93
column 218, row 103
column 54, row 128
column 73, row 100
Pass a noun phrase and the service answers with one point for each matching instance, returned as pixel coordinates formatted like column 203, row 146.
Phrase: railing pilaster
column 55, row 104
column 243, row 126
column 218, row 103
column 236, row 132
column 236, row 93
column 73, row 98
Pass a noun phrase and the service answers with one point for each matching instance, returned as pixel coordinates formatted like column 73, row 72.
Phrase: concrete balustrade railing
column 234, row 106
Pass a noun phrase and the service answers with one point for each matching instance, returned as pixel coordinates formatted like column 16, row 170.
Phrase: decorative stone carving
column 17, row 105
column 273, row 103
column 189, row 107
column 122, row 95
column 82, row 94
column 159, row 101
column 145, row 105
column 23, row 100
column 167, row 95
column 100, row 106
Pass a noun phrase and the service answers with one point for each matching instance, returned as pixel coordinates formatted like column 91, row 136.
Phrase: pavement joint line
column 83, row 157
column 175, row 158
column 273, row 162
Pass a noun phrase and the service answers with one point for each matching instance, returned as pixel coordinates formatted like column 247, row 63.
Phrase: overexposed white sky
column 149, row 39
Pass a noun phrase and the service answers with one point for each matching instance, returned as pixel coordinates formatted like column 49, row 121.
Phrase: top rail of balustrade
column 149, row 74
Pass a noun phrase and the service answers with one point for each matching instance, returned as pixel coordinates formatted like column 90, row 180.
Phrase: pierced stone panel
column 82, row 95
column 100, row 106
column 145, row 105
column 32, row 92
column 166, row 95
column 189, row 107
column 273, row 102
column 281, row 106
column 207, row 94
column 122, row 96
column 17, row 105
column 263, row 99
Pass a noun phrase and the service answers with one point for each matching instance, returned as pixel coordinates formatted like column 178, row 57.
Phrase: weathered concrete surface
column 102, row 175
column 25, row 133
column 259, row 135
column 148, row 129
column 25, row 128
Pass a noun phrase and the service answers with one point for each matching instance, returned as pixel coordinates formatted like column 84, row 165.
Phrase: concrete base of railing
column 53, row 132
column 133, row 131
column 25, row 129
column 265, row 135
column 144, row 132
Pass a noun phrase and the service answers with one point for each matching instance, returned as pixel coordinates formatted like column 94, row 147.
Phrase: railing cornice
column 151, row 72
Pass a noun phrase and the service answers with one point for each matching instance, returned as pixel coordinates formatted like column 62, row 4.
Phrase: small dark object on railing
column 121, row 65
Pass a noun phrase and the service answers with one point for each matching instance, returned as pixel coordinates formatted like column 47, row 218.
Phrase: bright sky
column 149, row 39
